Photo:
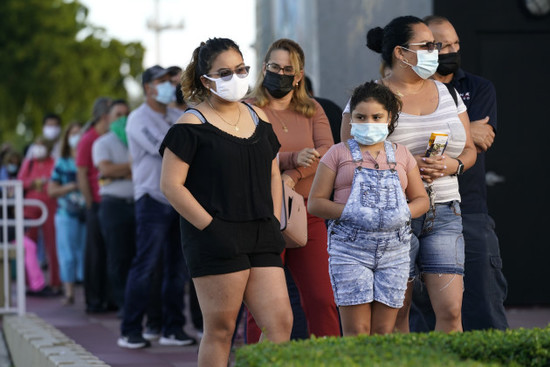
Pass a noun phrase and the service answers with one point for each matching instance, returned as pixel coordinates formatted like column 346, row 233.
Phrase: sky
column 126, row 20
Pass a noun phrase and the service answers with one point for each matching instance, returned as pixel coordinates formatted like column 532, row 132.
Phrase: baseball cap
column 152, row 73
column 173, row 70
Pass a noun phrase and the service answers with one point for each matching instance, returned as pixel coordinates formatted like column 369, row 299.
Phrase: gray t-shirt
column 109, row 148
column 145, row 130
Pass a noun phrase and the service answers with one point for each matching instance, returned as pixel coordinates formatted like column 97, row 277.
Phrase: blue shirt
column 64, row 171
column 479, row 96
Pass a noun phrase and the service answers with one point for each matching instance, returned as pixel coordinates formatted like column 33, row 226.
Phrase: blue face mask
column 369, row 133
column 166, row 93
column 12, row 168
column 427, row 63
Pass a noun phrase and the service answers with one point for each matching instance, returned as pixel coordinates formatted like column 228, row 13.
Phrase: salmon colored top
column 339, row 160
column 303, row 132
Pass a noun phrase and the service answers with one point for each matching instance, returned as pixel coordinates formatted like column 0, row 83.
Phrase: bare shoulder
column 189, row 117
column 261, row 113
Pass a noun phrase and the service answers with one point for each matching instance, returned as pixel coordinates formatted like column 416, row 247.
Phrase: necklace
column 285, row 129
column 398, row 92
column 224, row 120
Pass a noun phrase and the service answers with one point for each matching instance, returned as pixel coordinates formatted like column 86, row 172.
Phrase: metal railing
column 11, row 216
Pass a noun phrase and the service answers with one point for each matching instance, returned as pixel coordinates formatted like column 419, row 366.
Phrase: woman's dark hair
column 65, row 148
column 381, row 94
column 398, row 32
column 201, row 62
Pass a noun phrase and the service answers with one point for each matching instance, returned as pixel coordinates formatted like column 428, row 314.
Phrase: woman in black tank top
column 220, row 173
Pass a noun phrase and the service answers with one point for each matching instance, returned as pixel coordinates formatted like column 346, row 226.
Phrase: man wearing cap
column 96, row 290
column 157, row 223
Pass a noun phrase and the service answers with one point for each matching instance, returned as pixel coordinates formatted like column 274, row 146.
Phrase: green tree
column 53, row 60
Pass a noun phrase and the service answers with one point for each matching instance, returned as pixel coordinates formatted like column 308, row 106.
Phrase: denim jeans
column 71, row 240
column 439, row 244
column 157, row 235
column 118, row 226
column 485, row 287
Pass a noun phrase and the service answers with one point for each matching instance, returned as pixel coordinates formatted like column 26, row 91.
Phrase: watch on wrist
column 460, row 168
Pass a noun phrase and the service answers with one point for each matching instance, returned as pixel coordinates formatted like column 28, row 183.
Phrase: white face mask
column 39, row 151
column 426, row 62
column 231, row 90
column 73, row 140
column 51, row 132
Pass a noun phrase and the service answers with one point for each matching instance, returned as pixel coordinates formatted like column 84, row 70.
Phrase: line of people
column 394, row 213
column 108, row 225
column 409, row 246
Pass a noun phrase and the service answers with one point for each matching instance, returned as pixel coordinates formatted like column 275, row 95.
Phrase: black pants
column 118, row 226
column 96, row 290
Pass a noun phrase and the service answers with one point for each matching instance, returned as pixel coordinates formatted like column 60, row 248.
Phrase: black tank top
column 229, row 176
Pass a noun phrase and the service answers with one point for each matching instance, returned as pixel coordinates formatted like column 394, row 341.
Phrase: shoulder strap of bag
column 452, row 90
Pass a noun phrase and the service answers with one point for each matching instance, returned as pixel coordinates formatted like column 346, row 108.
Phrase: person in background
column 485, row 286
column 175, row 78
column 51, row 131
column 408, row 47
column 10, row 164
column 36, row 284
column 220, row 172
column 157, row 229
column 70, row 221
column 369, row 270
column 95, row 267
column 116, row 209
column 304, row 133
column 35, row 174
column 332, row 110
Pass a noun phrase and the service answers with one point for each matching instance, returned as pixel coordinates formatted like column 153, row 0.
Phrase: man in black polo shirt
column 484, row 284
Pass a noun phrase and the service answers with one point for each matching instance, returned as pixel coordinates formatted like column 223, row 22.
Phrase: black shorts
column 226, row 247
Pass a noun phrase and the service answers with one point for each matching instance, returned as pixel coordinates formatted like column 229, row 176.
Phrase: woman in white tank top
column 437, row 249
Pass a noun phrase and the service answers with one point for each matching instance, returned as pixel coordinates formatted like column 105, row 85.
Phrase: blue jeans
column 485, row 287
column 437, row 246
column 157, row 235
column 70, row 235
column 368, row 266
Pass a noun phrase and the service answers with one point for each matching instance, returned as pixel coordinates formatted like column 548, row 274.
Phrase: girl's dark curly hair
column 381, row 94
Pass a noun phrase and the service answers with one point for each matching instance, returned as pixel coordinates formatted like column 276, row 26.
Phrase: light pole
column 155, row 25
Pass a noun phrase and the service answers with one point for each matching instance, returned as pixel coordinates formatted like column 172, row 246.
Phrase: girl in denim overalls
column 369, row 231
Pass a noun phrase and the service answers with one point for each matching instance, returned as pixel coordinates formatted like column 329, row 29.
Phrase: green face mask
column 119, row 128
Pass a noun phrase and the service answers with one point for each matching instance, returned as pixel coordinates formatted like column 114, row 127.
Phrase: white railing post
column 11, row 195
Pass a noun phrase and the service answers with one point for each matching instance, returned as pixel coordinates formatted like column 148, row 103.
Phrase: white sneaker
column 132, row 342
column 178, row 339
column 151, row 334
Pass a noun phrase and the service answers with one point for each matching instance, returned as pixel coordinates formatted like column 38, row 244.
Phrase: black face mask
column 278, row 85
column 448, row 63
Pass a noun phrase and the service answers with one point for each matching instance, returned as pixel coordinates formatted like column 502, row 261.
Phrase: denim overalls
column 369, row 244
